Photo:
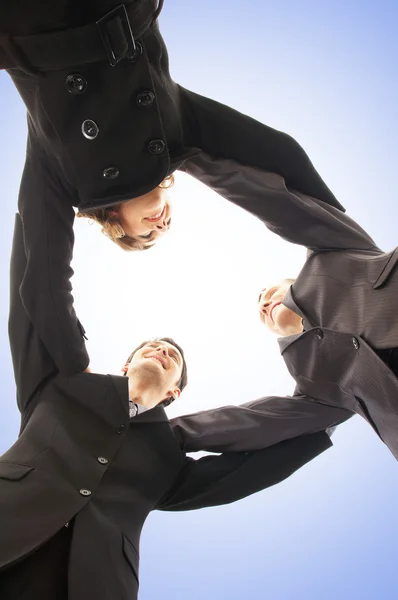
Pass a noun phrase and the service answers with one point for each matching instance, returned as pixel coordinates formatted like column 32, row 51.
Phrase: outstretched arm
column 32, row 363
column 216, row 480
column 255, row 425
column 225, row 133
column 295, row 217
column 47, row 221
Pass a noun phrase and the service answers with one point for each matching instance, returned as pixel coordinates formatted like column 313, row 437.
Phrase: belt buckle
column 112, row 24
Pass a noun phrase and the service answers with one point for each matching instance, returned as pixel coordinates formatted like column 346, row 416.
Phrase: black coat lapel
column 155, row 415
column 121, row 385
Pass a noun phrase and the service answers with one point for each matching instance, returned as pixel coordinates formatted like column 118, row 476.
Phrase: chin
column 150, row 371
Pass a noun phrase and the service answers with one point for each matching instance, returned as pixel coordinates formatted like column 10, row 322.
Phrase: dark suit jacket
column 143, row 141
column 80, row 456
column 346, row 294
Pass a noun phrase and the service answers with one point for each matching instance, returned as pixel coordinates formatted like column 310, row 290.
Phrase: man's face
column 157, row 365
column 276, row 317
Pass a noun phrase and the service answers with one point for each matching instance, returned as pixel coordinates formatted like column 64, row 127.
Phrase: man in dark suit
column 338, row 322
column 96, row 453
column 107, row 124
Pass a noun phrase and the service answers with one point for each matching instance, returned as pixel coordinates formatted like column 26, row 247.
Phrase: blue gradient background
column 325, row 72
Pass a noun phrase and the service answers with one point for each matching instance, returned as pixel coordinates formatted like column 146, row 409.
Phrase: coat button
column 102, row 460
column 145, row 99
column 319, row 333
column 90, row 129
column 110, row 173
column 156, row 146
column 76, row 84
column 355, row 343
column 135, row 54
column 121, row 429
column 85, row 492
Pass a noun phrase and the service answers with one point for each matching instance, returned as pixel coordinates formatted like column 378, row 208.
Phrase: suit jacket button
column 145, row 99
column 319, row 333
column 156, row 146
column 135, row 54
column 110, row 173
column 90, row 129
column 355, row 343
column 76, row 84
column 85, row 492
column 102, row 460
column 121, row 429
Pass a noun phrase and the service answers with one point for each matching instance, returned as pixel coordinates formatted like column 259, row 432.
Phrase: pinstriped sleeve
column 295, row 217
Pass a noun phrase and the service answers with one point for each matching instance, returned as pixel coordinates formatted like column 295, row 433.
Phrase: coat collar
column 290, row 302
column 154, row 415
column 284, row 342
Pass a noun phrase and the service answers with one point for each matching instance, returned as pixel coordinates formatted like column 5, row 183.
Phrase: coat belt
column 110, row 38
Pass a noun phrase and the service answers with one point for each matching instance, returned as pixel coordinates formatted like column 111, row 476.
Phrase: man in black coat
column 96, row 453
column 338, row 323
column 107, row 124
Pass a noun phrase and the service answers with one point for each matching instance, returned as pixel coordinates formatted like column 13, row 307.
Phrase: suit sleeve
column 217, row 480
column 32, row 363
column 255, row 425
column 295, row 217
column 224, row 133
column 47, row 222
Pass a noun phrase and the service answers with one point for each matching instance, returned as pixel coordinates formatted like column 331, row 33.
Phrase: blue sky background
column 325, row 72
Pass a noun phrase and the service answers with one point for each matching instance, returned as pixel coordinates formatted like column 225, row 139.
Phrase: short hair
column 111, row 226
column 183, row 381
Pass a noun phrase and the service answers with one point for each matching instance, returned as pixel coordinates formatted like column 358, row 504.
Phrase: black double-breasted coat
column 80, row 457
column 106, row 124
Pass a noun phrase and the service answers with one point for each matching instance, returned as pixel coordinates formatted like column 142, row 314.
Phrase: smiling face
column 276, row 317
column 156, row 366
column 138, row 223
column 146, row 218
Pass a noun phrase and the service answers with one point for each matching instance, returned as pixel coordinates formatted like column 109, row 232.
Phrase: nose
column 164, row 225
column 163, row 350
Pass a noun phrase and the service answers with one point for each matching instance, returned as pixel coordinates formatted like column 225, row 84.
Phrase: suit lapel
column 284, row 342
column 154, row 415
column 291, row 303
column 122, row 389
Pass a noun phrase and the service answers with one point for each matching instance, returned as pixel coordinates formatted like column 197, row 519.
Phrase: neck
column 292, row 325
column 143, row 394
column 297, row 326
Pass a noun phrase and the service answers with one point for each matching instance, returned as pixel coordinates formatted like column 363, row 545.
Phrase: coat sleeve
column 32, row 363
column 255, row 425
column 224, row 133
column 216, row 480
column 47, row 221
column 295, row 217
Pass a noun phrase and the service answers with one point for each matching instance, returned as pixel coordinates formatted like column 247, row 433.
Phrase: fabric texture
column 42, row 575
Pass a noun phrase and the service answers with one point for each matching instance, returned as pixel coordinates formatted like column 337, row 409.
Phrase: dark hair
column 183, row 381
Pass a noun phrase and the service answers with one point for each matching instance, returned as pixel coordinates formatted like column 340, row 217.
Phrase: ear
column 125, row 368
column 175, row 393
